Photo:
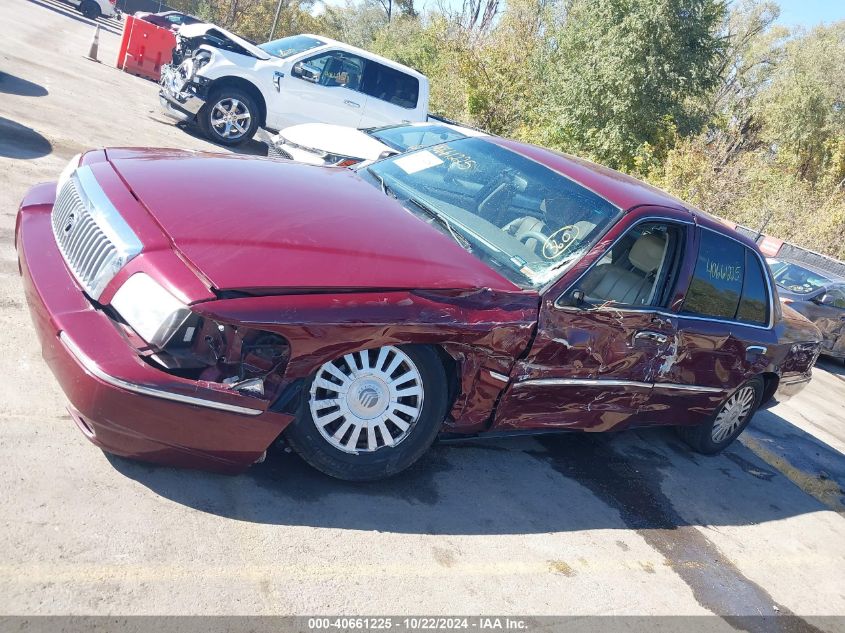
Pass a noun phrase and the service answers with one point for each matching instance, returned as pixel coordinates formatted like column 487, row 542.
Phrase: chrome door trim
column 598, row 382
column 582, row 382
column 696, row 388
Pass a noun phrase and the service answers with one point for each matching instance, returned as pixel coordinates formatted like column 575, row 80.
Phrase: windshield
column 518, row 216
column 409, row 137
column 292, row 45
column 796, row 278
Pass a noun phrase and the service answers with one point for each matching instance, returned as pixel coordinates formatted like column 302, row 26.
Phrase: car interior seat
column 632, row 284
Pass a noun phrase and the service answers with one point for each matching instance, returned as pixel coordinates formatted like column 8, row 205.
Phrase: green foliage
column 623, row 73
column 713, row 102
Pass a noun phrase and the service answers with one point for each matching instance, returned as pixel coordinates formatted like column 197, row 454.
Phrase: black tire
column 207, row 116
column 90, row 9
column 305, row 438
column 701, row 438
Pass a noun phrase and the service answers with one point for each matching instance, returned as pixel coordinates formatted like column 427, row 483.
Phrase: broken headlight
column 183, row 343
column 149, row 309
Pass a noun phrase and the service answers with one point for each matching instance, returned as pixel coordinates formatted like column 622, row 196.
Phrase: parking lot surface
column 629, row 523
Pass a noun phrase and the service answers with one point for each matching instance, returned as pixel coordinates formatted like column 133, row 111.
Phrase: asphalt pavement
column 629, row 523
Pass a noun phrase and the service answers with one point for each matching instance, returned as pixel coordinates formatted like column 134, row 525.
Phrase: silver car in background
column 818, row 295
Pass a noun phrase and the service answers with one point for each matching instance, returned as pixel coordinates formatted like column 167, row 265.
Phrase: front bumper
column 119, row 402
column 178, row 100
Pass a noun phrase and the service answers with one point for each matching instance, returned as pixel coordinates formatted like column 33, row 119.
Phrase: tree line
column 712, row 101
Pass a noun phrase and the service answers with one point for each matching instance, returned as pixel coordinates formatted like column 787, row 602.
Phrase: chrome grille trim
column 95, row 241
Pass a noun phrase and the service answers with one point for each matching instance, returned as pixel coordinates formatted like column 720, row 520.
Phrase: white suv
column 232, row 87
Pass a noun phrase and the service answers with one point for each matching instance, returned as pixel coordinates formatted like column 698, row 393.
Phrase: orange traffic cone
column 95, row 44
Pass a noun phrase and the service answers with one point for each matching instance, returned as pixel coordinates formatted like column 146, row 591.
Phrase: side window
column 638, row 271
column 717, row 281
column 336, row 69
column 391, row 85
column 754, row 304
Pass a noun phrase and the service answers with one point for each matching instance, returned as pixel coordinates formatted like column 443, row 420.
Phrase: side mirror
column 303, row 72
column 824, row 300
column 574, row 299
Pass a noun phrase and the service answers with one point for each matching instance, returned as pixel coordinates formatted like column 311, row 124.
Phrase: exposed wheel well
column 770, row 385
column 453, row 376
column 245, row 86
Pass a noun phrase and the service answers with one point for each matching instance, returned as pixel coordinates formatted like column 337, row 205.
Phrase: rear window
column 717, row 281
column 293, row 45
column 754, row 304
column 391, row 85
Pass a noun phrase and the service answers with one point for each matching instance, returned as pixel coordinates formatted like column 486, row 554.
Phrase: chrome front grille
column 94, row 239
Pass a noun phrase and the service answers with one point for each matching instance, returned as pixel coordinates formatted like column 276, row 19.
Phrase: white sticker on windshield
column 412, row 163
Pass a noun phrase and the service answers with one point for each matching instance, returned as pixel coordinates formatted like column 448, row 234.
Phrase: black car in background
column 818, row 295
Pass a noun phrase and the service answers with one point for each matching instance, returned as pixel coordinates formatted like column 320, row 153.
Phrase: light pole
column 275, row 20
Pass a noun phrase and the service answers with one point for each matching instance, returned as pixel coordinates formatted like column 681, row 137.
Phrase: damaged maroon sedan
column 194, row 308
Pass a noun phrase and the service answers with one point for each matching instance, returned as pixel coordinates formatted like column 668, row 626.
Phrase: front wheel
column 90, row 9
column 728, row 422
column 230, row 117
column 371, row 414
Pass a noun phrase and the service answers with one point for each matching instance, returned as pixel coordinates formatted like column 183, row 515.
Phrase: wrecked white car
column 231, row 87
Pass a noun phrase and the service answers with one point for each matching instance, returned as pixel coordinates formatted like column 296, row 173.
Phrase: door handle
column 755, row 351
column 649, row 335
column 352, row 104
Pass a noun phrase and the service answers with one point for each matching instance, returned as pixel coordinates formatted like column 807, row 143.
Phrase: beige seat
column 629, row 286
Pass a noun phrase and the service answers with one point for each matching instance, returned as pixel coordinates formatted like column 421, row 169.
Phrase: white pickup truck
column 231, row 87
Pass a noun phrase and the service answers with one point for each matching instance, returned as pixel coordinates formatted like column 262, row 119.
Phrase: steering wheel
column 560, row 241
column 535, row 235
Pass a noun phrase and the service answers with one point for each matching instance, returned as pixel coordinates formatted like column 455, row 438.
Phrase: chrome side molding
column 92, row 368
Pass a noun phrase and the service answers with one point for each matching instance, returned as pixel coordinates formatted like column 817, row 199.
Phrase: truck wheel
column 728, row 422
column 371, row 414
column 90, row 9
column 229, row 117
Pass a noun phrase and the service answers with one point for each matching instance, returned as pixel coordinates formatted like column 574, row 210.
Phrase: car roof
column 360, row 51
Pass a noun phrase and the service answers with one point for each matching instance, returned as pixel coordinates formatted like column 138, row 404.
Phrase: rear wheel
column 728, row 422
column 371, row 414
column 90, row 9
column 230, row 117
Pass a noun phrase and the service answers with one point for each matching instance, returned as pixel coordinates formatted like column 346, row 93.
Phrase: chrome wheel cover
column 230, row 118
column 367, row 400
column 733, row 413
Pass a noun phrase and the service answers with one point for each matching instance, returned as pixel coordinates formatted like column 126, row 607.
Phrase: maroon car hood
column 251, row 223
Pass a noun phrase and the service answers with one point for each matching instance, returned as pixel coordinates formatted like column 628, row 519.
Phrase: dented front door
column 589, row 369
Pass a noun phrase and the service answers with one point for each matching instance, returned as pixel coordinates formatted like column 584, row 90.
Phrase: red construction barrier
column 144, row 48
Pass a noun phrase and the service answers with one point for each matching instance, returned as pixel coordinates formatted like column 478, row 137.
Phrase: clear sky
column 809, row 13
